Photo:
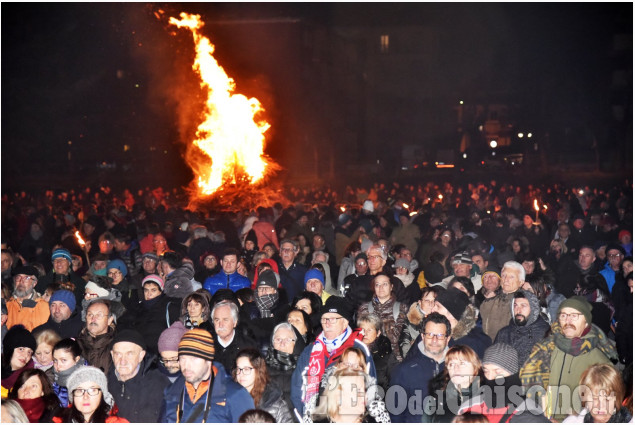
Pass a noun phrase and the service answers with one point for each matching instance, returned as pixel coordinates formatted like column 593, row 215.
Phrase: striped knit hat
column 197, row 342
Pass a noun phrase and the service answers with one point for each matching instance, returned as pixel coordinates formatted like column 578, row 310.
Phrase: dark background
column 103, row 93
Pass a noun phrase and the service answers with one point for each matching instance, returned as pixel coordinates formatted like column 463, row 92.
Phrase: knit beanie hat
column 96, row 289
column 313, row 274
column 617, row 246
column 62, row 253
column 119, row 265
column 268, row 278
column 454, row 301
column 197, row 342
column 129, row 335
column 462, row 258
column 580, row 304
column 65, row 296
column 90, row 374
column 502, row 355
column 368, row 206
column 151, row 255
column 171, row 337
column 402, row 262
column 153, row 278
column 339, row 305
column 344, row 218
column 491, row 269
column 18, row 336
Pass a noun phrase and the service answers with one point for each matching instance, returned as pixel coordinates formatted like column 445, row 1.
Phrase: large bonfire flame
column 227, row 156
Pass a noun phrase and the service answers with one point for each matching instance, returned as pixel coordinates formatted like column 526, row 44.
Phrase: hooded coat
column 96, row 349
column 411, row 329
column 496, row 313
column 523, row 338
column 178, row 283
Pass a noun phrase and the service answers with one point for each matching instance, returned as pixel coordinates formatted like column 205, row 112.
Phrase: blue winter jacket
column 234, row 281
column 229, row 401
column 609, row 276
column 292, row 279
column 409, row 386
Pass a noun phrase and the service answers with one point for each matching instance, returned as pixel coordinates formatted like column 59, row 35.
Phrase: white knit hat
column 90, row 374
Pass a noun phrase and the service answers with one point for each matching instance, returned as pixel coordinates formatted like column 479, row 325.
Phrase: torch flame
column 406, row 206
column 229, row 135
column 79, row 239
column 536, row 207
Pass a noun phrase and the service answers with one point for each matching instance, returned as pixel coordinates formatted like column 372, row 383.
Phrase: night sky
column 111, row 78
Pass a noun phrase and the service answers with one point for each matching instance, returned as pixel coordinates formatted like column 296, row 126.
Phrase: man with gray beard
column 26, row 307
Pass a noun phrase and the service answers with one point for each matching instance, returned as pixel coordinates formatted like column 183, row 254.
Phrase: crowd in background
column 402, row 303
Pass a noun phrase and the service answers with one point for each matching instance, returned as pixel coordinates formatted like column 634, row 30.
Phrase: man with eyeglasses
column 205, row 392
column 98, row 333
column 169, row 350
column 559, row 360
column 426, row 360
column 26, row 307
column 612, row 270
column 134, row 381
column 318, row 358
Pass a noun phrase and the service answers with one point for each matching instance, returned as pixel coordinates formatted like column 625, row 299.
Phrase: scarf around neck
column 265, row 303
column 324, row 354
column 34, row 408
column 61, row 378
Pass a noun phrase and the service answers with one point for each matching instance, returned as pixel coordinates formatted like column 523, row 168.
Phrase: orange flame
column 79, row 239
column 230, row 136
column 536, row 207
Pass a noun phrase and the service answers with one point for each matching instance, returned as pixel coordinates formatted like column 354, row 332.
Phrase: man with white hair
column 496, row 311
column 228, row 342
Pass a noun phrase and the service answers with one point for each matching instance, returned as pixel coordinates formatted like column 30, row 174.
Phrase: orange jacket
column 29, row 317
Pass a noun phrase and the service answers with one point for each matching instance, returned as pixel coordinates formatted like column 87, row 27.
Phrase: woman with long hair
column 66, row 360
column 458, row 382
column 34, row 393
column 17, row 353
column 250, row 371
column 90, row 400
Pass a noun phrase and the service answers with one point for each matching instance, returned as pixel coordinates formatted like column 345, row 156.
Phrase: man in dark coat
column 526, row 326
column 65, row 320
column 227, row 340
column 135, row 382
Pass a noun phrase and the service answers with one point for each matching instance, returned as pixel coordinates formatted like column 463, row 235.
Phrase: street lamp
column 493, row 144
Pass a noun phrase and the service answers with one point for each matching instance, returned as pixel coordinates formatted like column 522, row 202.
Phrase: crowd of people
column 482, row 302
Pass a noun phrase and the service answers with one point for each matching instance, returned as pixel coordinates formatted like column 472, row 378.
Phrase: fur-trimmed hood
column 415, row 315
column 466, row 324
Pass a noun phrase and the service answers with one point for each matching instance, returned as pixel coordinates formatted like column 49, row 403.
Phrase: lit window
column 384, row 43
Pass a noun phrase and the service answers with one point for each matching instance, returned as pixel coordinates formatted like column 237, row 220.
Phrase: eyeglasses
column 79, row 392
column 565, row 316
column 375, row 257
column 166, row 361
column 115, row 273
column 614, row 255
column 354, row 366
column 330, row 320
column 25, row 277
column 244, row 370
column 430, row 335
column 286, row 250
column 283, row 341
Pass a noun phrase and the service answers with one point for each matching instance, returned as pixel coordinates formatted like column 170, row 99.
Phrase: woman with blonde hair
column 602, row 393
column 45, row 340
column 458, row 382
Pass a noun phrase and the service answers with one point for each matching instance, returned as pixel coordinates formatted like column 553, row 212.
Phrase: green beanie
column 580, row 304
